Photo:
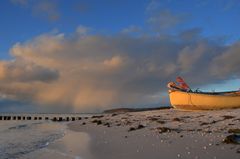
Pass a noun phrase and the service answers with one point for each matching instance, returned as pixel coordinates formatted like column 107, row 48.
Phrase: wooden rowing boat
column 204, row 100
column 182, row 97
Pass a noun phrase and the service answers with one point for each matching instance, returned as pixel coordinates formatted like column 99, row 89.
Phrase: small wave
column 14, row 143
column 19, row 126
column 12, row 151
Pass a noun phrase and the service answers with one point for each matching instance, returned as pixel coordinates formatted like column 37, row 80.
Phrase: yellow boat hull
column 198, row 101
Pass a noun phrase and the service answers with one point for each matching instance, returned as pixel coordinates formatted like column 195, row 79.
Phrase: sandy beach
column 154, row 134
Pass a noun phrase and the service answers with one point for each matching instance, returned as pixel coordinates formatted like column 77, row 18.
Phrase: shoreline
column 168, row 134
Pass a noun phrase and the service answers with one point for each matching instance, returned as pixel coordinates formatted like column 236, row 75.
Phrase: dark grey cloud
column 226, row 64
column 25, row 71
column 191, row 35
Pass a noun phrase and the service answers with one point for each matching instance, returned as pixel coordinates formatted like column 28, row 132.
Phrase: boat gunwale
column 217, row 94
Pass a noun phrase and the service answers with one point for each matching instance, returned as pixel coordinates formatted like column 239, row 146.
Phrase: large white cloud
column 95, row 72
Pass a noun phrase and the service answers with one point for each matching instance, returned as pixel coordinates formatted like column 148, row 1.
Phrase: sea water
column 20, row 137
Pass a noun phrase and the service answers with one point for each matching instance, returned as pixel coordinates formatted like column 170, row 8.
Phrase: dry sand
column 162, row 134
column 166, row 134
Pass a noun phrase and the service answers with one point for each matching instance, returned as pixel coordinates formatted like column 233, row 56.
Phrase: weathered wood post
column 54, row 119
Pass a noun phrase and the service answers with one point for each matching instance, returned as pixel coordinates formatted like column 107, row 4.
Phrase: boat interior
column 197, row 91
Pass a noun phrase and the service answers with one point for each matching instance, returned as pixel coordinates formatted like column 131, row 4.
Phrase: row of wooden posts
column 39, row 118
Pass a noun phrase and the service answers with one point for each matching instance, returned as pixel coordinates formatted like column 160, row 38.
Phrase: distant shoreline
column 124, row 110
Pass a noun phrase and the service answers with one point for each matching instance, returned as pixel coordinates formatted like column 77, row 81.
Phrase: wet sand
column 164, row 134
column 74, row 145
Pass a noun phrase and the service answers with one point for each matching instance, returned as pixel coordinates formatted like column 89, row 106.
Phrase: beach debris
column 163, row 129
column 107, row 124
column 212, row 122
column 99, row 122
column 114, row 114
column 127, row 122
column 98, row 116
column 186, row 117
column 83, row 123
column 161, row 121
column 235, row 131
column 237, row 119
column 203, row 123
column 152, row 118
column 232, row 139
column 177, row 119
column 238, row 150
column 131, row 129
column 228, row 117
column 140, row 126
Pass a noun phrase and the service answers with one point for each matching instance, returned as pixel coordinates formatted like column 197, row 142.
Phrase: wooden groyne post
column 38, row 117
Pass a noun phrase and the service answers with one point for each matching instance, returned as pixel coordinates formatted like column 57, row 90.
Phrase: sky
column 90, row 55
